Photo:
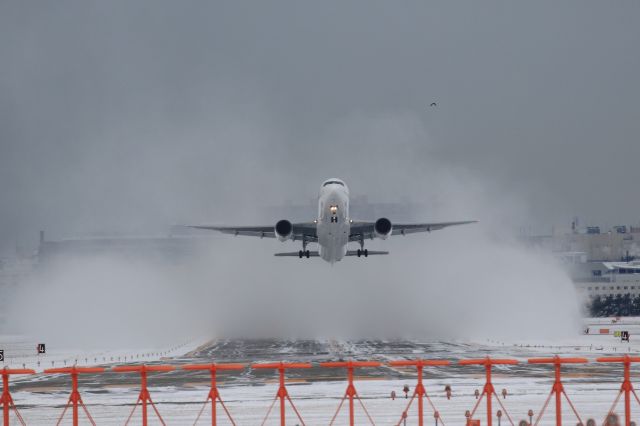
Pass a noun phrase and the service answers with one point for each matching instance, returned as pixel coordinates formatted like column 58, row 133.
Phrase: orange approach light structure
column 351, row 392
column 144, row 397
column 488, row 391
column 214, row 394
column 282, row 393
column 5, row 398
column 627, row 387
column 558, row 387
column 420, row 392
column 75, row 400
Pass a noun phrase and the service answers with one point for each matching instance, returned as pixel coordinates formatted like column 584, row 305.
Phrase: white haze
column 474, row 281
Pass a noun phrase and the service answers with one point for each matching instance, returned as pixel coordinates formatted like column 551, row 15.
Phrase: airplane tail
column 316, row 254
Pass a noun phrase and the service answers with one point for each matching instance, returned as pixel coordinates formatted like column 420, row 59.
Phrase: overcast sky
column 134, row 115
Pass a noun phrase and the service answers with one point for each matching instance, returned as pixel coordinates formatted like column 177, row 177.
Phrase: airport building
column 601, row 263
column 607, row 278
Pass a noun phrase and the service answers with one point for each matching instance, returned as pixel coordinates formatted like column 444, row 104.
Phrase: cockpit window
column 329, row 182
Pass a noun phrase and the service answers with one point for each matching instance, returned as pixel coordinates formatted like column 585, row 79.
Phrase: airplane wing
column 304, row 229
column 365, row 230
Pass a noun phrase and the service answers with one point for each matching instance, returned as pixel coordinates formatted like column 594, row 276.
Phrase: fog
column 475, row 281
column 129, row 117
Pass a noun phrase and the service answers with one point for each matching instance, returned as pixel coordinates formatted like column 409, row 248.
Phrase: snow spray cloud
column 472, row 281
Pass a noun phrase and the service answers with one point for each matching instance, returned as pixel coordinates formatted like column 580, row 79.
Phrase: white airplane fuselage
column 333, row 224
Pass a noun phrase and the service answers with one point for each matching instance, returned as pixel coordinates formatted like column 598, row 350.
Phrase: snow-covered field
column 317, row 392
column 21, row 352
column 317, row 402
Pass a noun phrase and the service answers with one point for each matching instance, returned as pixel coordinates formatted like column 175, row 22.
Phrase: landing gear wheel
column 366, row 253
column 307, row 253
column 300, row 254
column 359, row 253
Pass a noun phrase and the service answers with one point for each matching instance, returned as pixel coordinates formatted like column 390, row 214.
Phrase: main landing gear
column 304, row 253
column 362, row 251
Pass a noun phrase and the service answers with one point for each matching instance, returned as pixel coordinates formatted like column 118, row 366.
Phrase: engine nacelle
column 283, row 230
column 383, row 228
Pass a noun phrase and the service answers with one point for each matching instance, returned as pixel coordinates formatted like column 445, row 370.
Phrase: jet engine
column 283, row 230
column 382, row 228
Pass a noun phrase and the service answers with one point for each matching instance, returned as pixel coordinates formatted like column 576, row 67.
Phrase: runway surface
column 316, row 391
column 316, row 351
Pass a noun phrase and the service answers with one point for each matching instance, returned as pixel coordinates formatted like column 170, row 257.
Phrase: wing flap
column 411, row 228
column 365, row 230
column 306, row 230
column 252, row 231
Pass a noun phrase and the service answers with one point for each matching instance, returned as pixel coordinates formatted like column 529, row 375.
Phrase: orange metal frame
column 420, row 392
column 627, row 387
column 558, row 387
column 282, row 393
column 214, row 394
column 489, row 391
column 351, row 392
column 144, row 397
column 5, row 398
column 75, row 400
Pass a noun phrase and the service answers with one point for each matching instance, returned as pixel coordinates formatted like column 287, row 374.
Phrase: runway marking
column 37, row 389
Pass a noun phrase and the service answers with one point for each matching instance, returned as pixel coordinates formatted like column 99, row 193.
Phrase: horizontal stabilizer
column 369, row 253
column 296, row 254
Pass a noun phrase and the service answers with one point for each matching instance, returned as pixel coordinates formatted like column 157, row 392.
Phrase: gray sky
column 131, row 115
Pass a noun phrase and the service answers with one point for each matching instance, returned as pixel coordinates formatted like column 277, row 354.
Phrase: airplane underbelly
column 333, row 239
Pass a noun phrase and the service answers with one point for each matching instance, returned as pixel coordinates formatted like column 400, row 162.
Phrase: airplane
column 333, row 229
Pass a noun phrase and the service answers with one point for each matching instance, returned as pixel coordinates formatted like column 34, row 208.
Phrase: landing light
column 333, row 209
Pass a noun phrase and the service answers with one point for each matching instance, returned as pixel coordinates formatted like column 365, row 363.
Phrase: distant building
column 600, row 263
column 607, row 278
column 169, row 249
column 621, row 243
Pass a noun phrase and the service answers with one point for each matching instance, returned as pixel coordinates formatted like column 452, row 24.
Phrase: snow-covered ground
column 317, row 392
column 21, row 352
column 317, row 402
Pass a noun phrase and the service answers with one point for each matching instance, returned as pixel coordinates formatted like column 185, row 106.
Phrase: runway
column 316, row 391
